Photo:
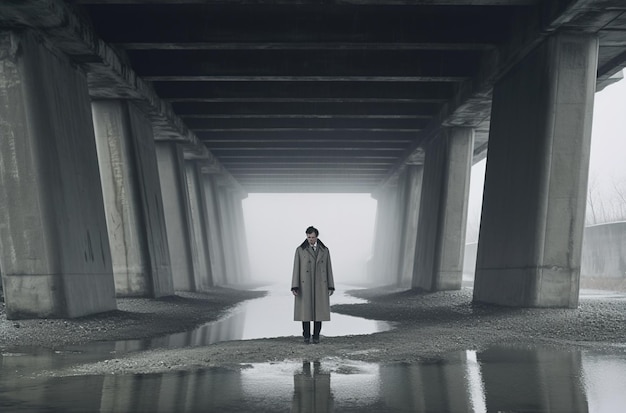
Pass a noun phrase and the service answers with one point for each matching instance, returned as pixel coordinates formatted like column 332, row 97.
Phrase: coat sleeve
column 295, row 277
column 329, row 274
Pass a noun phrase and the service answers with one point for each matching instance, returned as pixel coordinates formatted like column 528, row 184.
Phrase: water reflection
column 604, row 382
column 272, row 316
column 498, row 379
column 265, row 317
column 311, row 389
column 536, row 379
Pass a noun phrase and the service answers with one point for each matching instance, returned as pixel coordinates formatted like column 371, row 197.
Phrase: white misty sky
column 608, row 137
column 275, row 223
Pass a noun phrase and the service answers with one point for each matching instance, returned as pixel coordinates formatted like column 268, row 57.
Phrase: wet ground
column 432, row 353
column 499, row 379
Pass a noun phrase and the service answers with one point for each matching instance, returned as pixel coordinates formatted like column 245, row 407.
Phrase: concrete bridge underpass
column 130, row 131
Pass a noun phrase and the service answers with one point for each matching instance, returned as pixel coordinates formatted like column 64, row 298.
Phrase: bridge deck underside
column 336, row 97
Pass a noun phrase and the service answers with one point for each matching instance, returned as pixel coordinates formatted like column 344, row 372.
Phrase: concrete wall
column 604, row 251
column 55, row 254
column 603, row 254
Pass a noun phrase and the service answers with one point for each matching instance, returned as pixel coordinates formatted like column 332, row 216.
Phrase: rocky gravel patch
column 135, row 318
column 427, row 325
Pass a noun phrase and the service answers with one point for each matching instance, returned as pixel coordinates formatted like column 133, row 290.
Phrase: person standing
column 312, row 284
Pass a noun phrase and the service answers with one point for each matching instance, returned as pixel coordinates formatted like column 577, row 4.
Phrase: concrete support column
column 233, row 235
column 198, row 227
column 443, row 213
column 533, row 213
column 215, row 244
column 177, row 214
column 232, row 240
column 54, row 253
column 226, row 230
column 412, row 191
column 396, row 234
column 133, row 202
column 384, row 269
column 375, row 266
column 239, row 228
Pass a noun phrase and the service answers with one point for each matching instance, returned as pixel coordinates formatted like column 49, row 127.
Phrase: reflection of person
column 312, row 390
column 312, row 283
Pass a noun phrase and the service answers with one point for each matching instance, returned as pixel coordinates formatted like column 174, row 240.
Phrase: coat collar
column 305, row 244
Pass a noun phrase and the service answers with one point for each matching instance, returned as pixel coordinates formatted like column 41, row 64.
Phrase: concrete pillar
column 232, row 240
column 239, row 229
column 215, row 244
column 443, row 213
column 375, row 265
column 198, row 228
column 391, row 239
column 412, row 190
column 229, row 244
column 536, row 177
column 395, row 234
column 133, row 202
column 55, row 254
column 385, row 252
column 176, row 210
column 225, row 236
column 402, row 231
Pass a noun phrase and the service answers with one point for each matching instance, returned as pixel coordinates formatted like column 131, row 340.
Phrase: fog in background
column 276, row 224
column 606, row 195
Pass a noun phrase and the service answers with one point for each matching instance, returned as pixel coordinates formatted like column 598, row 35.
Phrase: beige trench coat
column 313, row 277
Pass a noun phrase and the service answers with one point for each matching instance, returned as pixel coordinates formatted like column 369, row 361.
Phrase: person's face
column 312, row 238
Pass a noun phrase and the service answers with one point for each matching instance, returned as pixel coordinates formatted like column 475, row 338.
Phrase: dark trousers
column 306, row 328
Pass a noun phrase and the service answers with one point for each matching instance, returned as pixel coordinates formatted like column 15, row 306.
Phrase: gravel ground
column 427, row 326
column 135, row 318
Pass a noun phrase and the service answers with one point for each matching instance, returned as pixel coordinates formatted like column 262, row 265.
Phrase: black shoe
column 316, row 340
column 307, row 340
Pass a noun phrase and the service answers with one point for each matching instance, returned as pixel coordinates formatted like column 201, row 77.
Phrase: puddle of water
column 268, row 316
column 498, row 379
column 528, row 379
column 272, row 316
column 265, row 317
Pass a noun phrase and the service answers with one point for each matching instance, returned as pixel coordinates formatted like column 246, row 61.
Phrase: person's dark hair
column 311, row 230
